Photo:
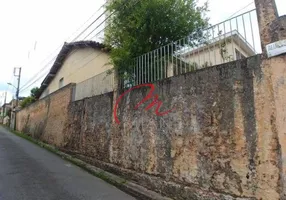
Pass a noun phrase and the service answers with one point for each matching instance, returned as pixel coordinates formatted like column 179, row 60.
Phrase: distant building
column 6, row 120
column 5, row 108
column 5, row 111
column 76, row 62
column 224, row 48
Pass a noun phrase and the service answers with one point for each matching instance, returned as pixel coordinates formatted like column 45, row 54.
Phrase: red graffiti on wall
column 150, row 95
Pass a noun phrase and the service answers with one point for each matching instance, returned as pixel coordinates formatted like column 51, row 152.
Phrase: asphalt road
column 28, row 172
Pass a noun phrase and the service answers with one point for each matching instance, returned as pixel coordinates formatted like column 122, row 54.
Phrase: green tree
column 35, row 92
column 27, row 101
column 32, row 98
column 139, row 26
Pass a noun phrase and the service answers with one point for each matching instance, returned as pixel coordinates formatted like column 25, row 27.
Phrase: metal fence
column 99, row 84
column 230, row 40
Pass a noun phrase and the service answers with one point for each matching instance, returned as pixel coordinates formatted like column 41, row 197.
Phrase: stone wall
column 45, row 119
column 270, row 101
column 208, row 147
column 88, row 128
column 224, row 139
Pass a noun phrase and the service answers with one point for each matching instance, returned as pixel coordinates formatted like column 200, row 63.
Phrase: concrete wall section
column 99, row 84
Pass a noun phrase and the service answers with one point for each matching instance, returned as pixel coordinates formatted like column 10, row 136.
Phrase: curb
column 127, row 186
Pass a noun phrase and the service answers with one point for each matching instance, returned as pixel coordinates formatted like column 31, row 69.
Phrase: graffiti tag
column 150, row 95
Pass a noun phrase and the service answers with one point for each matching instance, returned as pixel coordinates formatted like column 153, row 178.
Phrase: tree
column 27, row 101
column 30, row 99
column 139, row 26
column 35, row 92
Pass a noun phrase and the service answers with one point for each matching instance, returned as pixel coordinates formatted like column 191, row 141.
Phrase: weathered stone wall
column 270, row 106
column 270, row 101
column 225, row 138
column 88, row 128
column 209, row 147
column 45, row 119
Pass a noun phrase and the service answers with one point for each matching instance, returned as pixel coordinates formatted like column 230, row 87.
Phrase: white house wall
column 80, row 65
column 212, row 55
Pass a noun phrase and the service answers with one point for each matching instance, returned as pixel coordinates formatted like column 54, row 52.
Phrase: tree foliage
column 27, row 101
column 35, row 92
column 30, row 99
column 137, row 27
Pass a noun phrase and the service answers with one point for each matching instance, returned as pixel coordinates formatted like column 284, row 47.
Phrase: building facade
column 76, row 62
column 225, row 48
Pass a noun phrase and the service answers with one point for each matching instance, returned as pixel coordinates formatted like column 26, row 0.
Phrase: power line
column 98, row 26
column 41, row 70
column 67, row 39
column 240, row 10
column 83, row 65
column 85, row 38
column 88, row 19
column 104, row 21
column 27, row 87
column 100, row 31
column 24, row 89
column 90, row 25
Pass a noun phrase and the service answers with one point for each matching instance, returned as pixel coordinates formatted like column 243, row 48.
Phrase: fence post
column 271, row 26
column 266, row 14
column 270, row 106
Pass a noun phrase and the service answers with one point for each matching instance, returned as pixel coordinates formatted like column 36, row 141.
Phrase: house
column 6, row 120
column 224, row 48
column 5, row 111
column 2, row 110
column 5, row 108
column 77, row 62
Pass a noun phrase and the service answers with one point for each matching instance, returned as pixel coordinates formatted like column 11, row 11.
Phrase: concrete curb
column 127, row 186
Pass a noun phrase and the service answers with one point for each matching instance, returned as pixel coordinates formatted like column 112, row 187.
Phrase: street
column 28, row 172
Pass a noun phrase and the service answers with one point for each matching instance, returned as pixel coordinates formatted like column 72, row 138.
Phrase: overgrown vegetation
column 137, row 27
column 30, row 99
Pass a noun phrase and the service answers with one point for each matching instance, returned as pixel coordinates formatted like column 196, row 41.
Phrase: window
column 61, row 82
column 239, row 55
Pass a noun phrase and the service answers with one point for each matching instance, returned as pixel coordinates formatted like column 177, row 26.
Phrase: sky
column 33, row 32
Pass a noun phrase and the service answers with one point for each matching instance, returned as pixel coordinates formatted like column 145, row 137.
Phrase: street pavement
column 28, row 172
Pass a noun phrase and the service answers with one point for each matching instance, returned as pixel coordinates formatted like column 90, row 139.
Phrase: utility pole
column 18, row 86
column 13, row 113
